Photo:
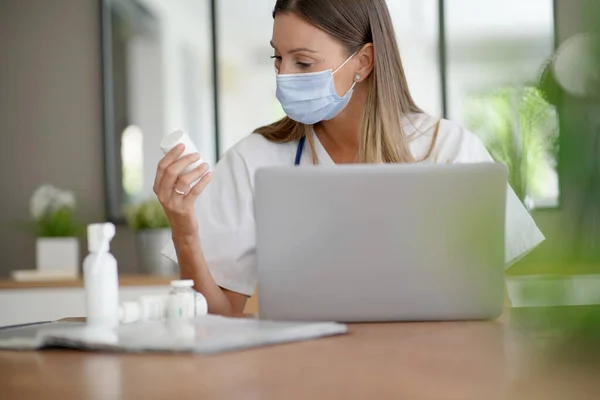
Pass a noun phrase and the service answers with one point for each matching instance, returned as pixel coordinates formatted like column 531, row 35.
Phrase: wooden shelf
column 124, row 280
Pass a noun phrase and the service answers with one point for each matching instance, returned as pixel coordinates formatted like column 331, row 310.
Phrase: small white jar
column 182, row 300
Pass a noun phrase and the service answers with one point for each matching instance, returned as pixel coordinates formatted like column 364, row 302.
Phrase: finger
column 165, row 162
column 174, row 171
column 184, row 182
column 191, row 197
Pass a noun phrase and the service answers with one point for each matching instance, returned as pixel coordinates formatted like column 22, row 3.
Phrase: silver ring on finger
column 180, row 192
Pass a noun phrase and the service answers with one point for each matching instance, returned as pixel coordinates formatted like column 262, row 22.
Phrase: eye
column 303, row 65
column 276, row 58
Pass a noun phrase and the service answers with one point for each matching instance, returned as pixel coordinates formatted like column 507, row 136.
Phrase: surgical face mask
column 311, row 97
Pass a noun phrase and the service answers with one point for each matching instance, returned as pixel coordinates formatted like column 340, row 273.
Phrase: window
column 417, row 31
column 246, row 75
column 496, row 51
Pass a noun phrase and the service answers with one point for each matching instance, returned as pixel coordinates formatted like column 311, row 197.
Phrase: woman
column 340, row 81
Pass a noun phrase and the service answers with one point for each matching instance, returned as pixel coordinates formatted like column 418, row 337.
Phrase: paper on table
column 28, row 336
column 202, row 335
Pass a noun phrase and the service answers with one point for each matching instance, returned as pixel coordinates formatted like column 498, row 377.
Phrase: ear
column 366, row 62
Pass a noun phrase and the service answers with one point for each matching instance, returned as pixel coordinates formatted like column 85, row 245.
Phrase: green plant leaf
column 58, row 223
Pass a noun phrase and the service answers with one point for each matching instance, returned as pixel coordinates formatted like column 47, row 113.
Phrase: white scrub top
column 225, row 210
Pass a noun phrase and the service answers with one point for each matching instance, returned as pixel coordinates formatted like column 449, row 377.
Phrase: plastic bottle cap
column 99, row 236
column 183, row 283
column 171, row 140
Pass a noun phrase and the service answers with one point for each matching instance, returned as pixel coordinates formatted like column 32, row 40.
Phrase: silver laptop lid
column 381, row 242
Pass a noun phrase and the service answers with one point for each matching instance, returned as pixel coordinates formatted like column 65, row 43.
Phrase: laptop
column 372, row 243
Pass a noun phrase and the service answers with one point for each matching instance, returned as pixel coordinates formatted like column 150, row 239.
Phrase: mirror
column 158, row 77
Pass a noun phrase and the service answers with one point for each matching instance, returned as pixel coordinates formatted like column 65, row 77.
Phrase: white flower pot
column 58, row 254
column 150, row 243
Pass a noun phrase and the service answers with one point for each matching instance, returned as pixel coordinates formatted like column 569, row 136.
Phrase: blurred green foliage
column 146, row 215
column 58, row 223
column 519, row 128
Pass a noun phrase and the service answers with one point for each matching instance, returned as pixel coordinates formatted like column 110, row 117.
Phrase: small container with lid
column 182, row 300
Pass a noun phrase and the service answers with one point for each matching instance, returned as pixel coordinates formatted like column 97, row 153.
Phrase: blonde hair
column 355, row 24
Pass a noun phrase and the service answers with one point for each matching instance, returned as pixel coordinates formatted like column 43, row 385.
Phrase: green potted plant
column 153, row 232
column 56, row 228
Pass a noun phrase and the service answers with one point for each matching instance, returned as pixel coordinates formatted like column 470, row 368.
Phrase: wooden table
column 528, row 354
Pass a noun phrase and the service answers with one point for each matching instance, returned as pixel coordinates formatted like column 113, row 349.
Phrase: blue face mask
column 311, row 97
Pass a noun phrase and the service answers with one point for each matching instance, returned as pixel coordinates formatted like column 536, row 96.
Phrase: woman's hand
column 172, row 187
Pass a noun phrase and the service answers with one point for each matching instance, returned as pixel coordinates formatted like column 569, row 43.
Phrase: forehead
column 291, row 32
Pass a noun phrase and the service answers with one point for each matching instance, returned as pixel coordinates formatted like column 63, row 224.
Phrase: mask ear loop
column 340, row 67
column 351, row 87
column 345, row 62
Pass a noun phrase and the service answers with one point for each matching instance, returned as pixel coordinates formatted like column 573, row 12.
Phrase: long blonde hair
column 355, row 23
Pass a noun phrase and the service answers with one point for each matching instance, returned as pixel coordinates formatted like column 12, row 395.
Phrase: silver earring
column 357, row 77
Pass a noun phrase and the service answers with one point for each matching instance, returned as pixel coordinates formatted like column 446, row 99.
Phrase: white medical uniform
column 225, row 210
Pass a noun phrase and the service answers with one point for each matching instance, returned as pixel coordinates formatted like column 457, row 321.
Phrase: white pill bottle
column 180, row 137
column 181, row 303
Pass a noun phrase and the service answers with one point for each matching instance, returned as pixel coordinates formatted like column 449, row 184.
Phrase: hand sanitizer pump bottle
column 100, row 278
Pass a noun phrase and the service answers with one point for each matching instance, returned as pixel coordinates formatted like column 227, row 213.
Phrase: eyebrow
column 296, row 50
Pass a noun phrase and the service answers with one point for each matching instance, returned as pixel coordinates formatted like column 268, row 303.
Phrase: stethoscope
column 299, row 150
